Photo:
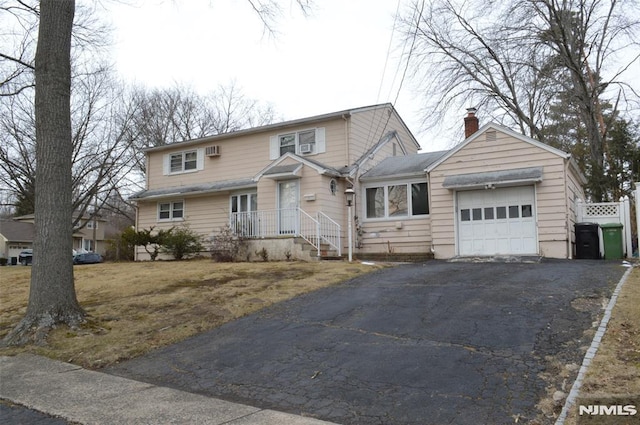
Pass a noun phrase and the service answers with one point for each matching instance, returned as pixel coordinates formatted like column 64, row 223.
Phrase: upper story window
column 171, row 210
column 287, row 143
column 396, row 200
column 184, row 162
column 92, row 224
column 305, row 142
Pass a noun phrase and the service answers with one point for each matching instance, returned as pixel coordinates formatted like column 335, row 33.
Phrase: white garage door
column 497, row 222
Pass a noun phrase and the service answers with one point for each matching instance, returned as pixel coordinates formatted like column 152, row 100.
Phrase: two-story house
column 497, row 192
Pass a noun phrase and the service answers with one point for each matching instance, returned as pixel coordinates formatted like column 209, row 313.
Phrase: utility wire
column 406, row 67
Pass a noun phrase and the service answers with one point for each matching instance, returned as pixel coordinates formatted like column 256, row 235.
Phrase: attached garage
column 503, row 193
column 497, row 221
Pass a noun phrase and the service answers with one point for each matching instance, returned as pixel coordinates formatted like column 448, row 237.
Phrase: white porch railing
column 608, row 212
column 288, row 222
column 329, row 232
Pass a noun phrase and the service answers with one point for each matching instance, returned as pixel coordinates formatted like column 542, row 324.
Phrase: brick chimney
column 471, row 123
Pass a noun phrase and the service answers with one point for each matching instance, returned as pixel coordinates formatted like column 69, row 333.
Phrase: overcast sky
column 337, row 58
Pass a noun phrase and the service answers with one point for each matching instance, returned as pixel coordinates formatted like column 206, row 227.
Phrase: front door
column 288, row 199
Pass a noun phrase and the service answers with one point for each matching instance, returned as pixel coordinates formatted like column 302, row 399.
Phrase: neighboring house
column 279, row 184
column 15, row 236
column 83, row 238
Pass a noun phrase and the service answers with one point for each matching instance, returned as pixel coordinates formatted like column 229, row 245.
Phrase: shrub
column 264, row 254
column 225, row 245
column 121, row 247
column 182, row 242
column 147, row 239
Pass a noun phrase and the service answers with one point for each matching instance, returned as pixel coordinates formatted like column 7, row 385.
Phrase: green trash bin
column 612, row 238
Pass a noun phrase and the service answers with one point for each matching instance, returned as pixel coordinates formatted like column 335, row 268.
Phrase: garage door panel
column 498, row 221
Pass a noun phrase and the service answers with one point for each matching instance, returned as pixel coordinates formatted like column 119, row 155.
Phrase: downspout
column 345, row 117
column 433, row 246
column 567, row 209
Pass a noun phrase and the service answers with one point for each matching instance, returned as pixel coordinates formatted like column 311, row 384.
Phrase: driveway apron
column 432, row 343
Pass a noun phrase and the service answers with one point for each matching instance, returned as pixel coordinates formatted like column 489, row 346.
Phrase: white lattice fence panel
column 607, row 213
column 602, row 210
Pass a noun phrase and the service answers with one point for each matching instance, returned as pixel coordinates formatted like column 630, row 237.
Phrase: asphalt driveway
column 431, row 343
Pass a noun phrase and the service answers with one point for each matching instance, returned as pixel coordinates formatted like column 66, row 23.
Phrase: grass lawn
column 134, row 308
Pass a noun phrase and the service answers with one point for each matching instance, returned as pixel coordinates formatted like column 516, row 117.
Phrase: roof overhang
column 492, row 179
column 280, row 126
column 194, row 190
column 278, row 170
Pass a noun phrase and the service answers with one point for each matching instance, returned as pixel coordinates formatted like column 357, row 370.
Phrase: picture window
column 397, row 200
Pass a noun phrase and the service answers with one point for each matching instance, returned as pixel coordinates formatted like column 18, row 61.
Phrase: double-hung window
column 287, row 143
column 184, row 161
column 171, row 210
column 304, row 142
column 396, row 200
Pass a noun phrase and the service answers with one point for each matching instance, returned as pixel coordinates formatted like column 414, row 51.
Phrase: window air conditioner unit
column 306, row 148
column 213, row 150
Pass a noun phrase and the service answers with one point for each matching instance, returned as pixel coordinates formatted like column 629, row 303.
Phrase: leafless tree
column 171, row 115
column 513, row 58
column 102, row 122
column 52, row 297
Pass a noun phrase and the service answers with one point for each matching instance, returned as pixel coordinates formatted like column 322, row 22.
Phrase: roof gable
column 496, row 127
column 277, row 168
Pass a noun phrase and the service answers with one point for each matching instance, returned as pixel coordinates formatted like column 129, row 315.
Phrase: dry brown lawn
column 614, row 374
column 134, row 308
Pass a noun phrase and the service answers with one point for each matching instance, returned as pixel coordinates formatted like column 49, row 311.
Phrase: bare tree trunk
column 52, row 297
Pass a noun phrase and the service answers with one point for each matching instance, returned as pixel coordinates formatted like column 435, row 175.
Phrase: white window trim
column 199, row 162
column 386, row 184
column 319, row 142
column 171, row 209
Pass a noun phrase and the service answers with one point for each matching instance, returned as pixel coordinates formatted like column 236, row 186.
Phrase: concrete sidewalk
column 88, row 397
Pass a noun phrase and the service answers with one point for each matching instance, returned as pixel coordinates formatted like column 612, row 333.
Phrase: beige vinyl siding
column 366, row 130
column 251, row 152
column 334, row 136
column 204, row 215
column 242, row 156
column 504, row 153
column 414, row 236
column 369, row 126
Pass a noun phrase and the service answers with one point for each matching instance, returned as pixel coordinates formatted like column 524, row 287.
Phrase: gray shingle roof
column 402, row 166
column 195, row 189
column 17, row 231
